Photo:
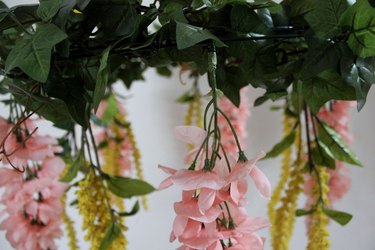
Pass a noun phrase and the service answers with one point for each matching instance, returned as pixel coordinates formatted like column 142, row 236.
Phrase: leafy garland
column 59, row 59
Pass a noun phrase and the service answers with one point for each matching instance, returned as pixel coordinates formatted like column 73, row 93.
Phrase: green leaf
column 360, row 22
column 33, row 53
column 245, row 20
column 303, row 212
column 101, row 80
column 185, row 97
column 336, row 145
column 48, row 8
column 327, row 86
column 134, row 210
column 111, row 233
column 342, row 218
column 74, row 168
column 111, row 109
column 281, row 146
column 324, row 18
column 126, row 187
column 188, row 35
column 322, row 156
column 118, row 20
column 164, row 71
column 18, row 15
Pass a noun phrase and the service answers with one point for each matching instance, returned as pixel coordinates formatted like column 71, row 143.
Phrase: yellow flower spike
column 198, row 111
column 94, row 211
column 318, row 234
column 69, row 224
column 286, row 163
column 285, row 215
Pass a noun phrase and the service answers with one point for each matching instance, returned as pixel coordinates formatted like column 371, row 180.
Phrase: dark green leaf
column 101, row 80
column 324, row 18
column 111, row 233
column 342, row 218
column 245, row 20
column 18, row 15
column 336, row 145
column 281, row 146
column 74, row 168
column 118, row 20
column 164, row 71
column 360, row 21
column 188, row 35
column 126, row 187
column 322, row 156
column 327, row 86
column 303, row 212
column 33, row 53
column 134, row 210
column 48, row 8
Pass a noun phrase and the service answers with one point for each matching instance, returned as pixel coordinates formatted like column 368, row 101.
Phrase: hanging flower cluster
column 211, row 214
column 32, row 199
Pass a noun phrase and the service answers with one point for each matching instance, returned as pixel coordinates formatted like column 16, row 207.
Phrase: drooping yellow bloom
column 318, row 234
column 194, row 113
column 285, row 215
column 286, row 163
column 95, row 212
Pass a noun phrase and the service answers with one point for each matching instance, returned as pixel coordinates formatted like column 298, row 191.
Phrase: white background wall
column 154, row 114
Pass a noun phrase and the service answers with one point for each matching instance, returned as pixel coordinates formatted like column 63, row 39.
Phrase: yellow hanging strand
column 69, row 224
column 285, row 214
column 136, row 156
column 318, row 234
column 286, row 163
column 198, row 110
column 95, row 214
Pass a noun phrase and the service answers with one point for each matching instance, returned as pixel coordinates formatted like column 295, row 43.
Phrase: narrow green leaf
column 185, row 97
column 102, row 79
column 126, row 187
column 336, row 145
column 111, row 233
column 281, row 146
column 188, row 35
column 303, row 212
column 134, row 210
column 322, row 156
column 48, row 8
column 340, row 217
column 111, row 109
column 33, row 53
column 74, row 168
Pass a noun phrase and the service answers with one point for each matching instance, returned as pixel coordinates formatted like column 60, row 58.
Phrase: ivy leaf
column 101, row 79
column 111, row 233
column 245, row 20
column 324, row 18
column 188, row 35
column 33, row 53
column 13, row 17
column 74, row 168
column 327, row 86
column 134, row 210
column 340, row 217
column 336, row 145
column 126, row 187
column 281, row 146
column 48, row 8
column 360, row 21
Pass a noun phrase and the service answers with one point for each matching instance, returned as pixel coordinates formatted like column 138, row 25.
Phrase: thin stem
column 232, row 129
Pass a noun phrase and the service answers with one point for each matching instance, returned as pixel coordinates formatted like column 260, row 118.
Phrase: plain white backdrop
column 154, row 114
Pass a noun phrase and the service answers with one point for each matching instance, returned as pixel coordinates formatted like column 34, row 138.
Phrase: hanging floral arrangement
column 60, row 59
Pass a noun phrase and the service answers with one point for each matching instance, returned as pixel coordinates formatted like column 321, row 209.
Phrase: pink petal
column 165, row 184
column 179, row 225
column 191, row 180
column 190, row 134
column 206, row 199
column 251, row 225
column 190, row 209
column 261, row 182
column 167, row 169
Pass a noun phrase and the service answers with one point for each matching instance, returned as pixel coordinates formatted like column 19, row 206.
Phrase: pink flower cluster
column 238, row 117
column 211, row 214
column 31, row 199
column 337, row 117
